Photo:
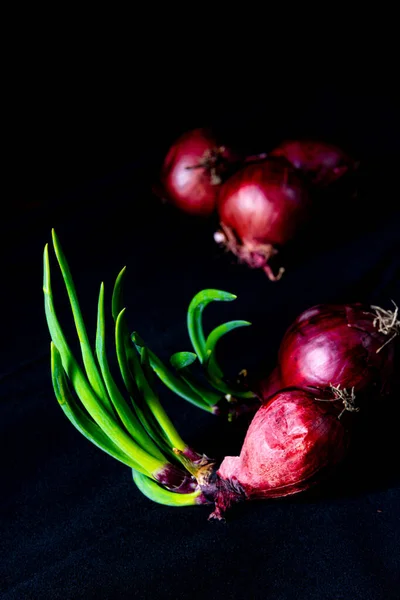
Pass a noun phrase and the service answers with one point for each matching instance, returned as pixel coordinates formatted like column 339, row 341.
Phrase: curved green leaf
column 209, row 397
column 174, row 383
column 117, row 302
column 85, row 392
column 125, row 345
column 131, row 369
column 181, row 360
column 87, row 354
column 125, row 413
column 83, row 423
column 213, row 370
column 128, row 375
column 154, row 492
column 222, row 330
column 195, row 317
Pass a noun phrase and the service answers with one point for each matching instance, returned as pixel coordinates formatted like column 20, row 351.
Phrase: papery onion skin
column 321, row 163
column 338, row 345
column 261, row 208
column 292, row 442
column 184, row 182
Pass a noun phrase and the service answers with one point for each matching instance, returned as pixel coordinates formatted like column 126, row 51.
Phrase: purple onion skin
column 264, row 203
column 292, row 442
column 338, row 345
column 322, row 164
column 193, row 188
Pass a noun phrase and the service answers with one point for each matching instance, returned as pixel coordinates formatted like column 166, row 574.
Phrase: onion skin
column 322, row 164
column 338, row 345
column 261, row 208
column 187, row 184
column 292, row 441
column 265, row 388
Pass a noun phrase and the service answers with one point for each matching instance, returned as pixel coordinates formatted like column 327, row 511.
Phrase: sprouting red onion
column 349, row 346
column 321, row 163
column 192, row 172
column 261, row 208
column 292, row 442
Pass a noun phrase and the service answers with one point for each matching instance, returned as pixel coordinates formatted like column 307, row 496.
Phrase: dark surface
column 73, row 523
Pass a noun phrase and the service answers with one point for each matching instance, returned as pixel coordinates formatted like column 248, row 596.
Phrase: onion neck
column 223, row 493
column 175, row 480
column 202, row 476
column 214, row 162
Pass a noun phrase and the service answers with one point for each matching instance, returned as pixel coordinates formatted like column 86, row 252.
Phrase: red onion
column 322, row 164
column 340, row 345
column 261, row 208
column 192, row 171
column 292, row 441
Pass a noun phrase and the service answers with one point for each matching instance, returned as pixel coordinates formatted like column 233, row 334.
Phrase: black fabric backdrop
column 73, row 523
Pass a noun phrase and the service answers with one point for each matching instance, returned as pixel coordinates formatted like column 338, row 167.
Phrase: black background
column 84, row 148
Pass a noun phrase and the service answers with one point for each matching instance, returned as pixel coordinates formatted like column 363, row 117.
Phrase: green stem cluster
column 214, row 396
column 134, row 430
